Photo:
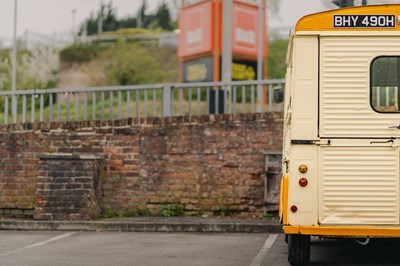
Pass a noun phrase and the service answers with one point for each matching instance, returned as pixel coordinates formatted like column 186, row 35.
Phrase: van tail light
column 293, row 208
column 303, row 182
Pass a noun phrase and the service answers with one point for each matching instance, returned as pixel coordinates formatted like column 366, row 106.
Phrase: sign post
column 14, row 66
column 260, row 56
column 227, row 41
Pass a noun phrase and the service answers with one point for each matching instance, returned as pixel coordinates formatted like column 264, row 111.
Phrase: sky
column 49, row 16
column 52, row 16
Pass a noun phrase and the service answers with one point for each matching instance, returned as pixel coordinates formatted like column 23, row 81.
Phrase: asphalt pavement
column 174, row 241
column 50, row 248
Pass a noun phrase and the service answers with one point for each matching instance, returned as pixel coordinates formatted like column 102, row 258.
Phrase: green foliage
column 79, row 53
column 129, row 22
column 127, row 64
column 36, row 69
column 130, row 213
column 140, row 212
column 145, row 20
column 160, row 19
column 5, row 53
column 171, row 210
column 163, row 17
column 268, row 216
column 128, row 31
column 124, row 72
column 224, row 213
column 107, row 13
column 277, row 58
column 143, row 212
column 110, row 214
column 116, row 180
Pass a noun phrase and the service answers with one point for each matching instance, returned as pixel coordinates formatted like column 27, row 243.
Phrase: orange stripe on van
column 340, row 231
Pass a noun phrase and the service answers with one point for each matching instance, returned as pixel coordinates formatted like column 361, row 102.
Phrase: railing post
column 166, row 100
column 260, row 98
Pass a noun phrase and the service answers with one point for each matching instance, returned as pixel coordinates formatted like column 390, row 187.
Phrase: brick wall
column 205, row 164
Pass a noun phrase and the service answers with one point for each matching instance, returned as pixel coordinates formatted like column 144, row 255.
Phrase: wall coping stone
column 48, row 127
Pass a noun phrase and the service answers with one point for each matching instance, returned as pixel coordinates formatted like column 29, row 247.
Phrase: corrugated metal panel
column 359, row 185
column 344, row 87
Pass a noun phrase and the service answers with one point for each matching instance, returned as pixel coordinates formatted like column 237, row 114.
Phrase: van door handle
column 398, row 127
column 381, row 142
column 394, row 143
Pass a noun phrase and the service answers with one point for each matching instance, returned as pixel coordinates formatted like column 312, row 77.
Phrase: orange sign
column 245, row 29
column 195, row 29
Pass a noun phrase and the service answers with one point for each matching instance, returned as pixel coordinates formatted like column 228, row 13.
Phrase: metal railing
column 109, row 103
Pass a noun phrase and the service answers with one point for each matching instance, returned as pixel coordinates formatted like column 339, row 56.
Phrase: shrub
column 171, row 210
column 130, row 213
column 36, row 69
column 110, row 213
column 132, row 64
column 79, row 53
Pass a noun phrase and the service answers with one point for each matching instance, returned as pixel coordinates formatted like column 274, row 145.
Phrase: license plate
column 364, row 21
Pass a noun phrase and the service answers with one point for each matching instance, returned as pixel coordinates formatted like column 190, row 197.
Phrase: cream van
column 342, row 128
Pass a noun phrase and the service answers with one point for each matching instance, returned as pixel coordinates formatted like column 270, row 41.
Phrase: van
column 341, row 155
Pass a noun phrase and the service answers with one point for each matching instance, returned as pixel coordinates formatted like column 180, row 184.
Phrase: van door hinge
column 322, row 142
column 311, row 142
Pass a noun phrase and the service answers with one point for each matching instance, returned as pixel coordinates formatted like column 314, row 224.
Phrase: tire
column 299, row 249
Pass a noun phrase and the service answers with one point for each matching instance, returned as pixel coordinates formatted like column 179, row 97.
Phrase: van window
column 385, row 84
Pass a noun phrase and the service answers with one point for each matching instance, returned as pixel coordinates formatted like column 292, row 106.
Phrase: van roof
column 361, row 18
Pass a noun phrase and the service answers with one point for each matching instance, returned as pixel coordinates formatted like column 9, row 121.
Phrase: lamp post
column 73, row 29
column 73, row 11
column 14, row 66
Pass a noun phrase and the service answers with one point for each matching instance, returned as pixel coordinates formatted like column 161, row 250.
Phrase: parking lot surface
column 47, row 248
column 130, row 248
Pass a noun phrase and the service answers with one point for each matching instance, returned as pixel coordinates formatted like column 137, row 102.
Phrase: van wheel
column 299, row 249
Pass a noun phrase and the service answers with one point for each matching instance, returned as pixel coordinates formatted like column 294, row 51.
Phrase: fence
column 159, row 39
column 100, row 103
column 385, row 98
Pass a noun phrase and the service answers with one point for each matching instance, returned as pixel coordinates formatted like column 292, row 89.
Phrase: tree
column 107, row 13
column 277, row 58
column 160, row 19
column 141, row 17
column 110, row 22
column 163, row 17
column 129, row 22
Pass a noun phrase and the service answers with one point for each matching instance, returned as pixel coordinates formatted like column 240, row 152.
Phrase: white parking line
column 39, row 244
column 264, row 251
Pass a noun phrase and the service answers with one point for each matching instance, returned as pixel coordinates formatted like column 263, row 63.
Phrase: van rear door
column 359, row 114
